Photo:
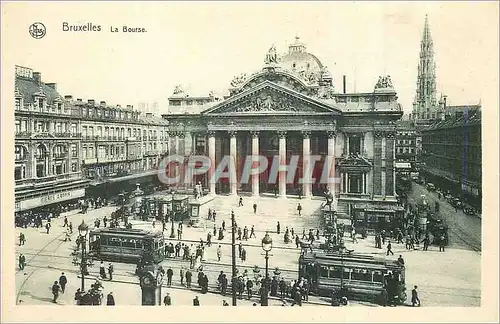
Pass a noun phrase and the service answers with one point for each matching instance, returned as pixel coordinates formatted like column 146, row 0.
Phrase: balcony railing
column 60, row 156
column 23, row 134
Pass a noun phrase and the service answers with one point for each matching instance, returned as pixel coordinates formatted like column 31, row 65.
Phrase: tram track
column 33, row 257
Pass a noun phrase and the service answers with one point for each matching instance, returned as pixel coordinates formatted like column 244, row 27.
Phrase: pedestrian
column 179, row 233
column 426, row 242
column 213, row 216
column 55, row 291
column 70, row 227
column 414, row 297
column 189, row 277
column 240, row 203
column 278, row 228
column 110, row 299
column 196, row 301
column 215, row 230
column 441, row 243
column 225, row 303
column 240, row 248
column 389, row 248
column 22, row 239
column 299, row 209
column 353, row 234
column 170, row 274
column 223, row 226
column 62, row 282
column 78, row 296
column 102, row 270
column 110, row 271
column 181, row 274
column 252, row 232
column 219, row 253
column 401, row 261
column 254, row 208
column 249, row 288
column 22, row 261
column 47, row 227
column 243, row 254
column 167, row 300
column 65, row 221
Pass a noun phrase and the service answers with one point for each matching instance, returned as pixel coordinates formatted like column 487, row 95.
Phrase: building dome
column 298, row 60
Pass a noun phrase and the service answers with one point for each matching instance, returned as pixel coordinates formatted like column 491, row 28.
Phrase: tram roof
column 125, row 231
column 355, row 260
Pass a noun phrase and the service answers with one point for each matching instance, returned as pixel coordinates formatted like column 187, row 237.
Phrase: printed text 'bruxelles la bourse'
column 90, row 27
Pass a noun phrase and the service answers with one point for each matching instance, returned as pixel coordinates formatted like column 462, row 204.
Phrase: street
column 465, row 230
column 450, row 278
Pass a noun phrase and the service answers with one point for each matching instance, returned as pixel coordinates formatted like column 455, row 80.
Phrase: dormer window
column 40, row 104
column 18, row 103
column 59, row 108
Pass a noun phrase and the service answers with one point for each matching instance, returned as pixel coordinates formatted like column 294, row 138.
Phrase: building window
column 20, row 172
column 84, row 131
column 355, row 183
column 99, row 131
column 40, row 104
column 354, row 145
column 18, row 126
column 73, row 167
column 74, row 152
column 18, row 103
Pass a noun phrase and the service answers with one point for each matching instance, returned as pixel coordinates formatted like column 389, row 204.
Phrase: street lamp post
column 233, row 257
column 172, row 233
column 83, row 230
column 267, row 245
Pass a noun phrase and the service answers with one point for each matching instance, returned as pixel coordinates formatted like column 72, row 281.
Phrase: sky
column 202, row 46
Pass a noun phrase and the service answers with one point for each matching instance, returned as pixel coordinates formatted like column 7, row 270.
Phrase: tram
column 360, row 277
column 126, row 245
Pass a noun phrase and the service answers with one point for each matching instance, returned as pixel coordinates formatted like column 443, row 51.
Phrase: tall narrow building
column 425, row 106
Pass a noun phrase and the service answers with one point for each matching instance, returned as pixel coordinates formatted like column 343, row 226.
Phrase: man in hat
column 55, row 291
column 167, row 300
column 22, row 261
column 110, row 271
column 414, row 297
column 196, row 301
column 62, row 282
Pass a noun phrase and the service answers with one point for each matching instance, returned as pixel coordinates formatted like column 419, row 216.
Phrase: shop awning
column 403, row 165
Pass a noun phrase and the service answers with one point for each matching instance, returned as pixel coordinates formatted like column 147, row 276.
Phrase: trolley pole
column 233, row 258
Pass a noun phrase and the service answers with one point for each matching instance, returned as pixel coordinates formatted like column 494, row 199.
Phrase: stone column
column 255, row 159
column 306, row 164
column 331, row 158
column 181, row 151
column 188, row 149
column 211, row 156
column 282, row 168
column 233, row 167
column 32, row 161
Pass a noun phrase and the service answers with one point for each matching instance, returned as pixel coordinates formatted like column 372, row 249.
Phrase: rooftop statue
column 271, row 56
column 238, row 80
column 178, row 89
column 384, row 82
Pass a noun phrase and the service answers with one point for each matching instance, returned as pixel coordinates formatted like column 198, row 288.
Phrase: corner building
column 290, row 108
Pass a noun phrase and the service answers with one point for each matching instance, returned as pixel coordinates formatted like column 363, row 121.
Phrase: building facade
column 47, row 145
column 451, row 151
column 408, row 145
column 64, row 148
column 290, row 110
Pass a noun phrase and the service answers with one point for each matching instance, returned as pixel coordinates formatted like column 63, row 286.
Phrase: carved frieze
column 281, row 134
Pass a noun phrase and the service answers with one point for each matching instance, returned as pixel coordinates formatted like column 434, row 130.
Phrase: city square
column 298, row 183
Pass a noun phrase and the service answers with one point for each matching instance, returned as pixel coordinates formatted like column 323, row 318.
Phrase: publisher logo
column 37, row 30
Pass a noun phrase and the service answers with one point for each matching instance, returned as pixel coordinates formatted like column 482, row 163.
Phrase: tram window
column 138, row 244
column 357, row 274
column 378, row 276
column 323, row 272
column 129, row 243
column 346, row 273
column 104, row 240
column 114, row 241
column 335, row 272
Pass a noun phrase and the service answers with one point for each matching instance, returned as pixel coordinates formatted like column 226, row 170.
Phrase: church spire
column 424, row 106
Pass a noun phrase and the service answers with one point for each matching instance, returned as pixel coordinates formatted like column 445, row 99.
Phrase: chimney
column 38, row 78
column 79, row 100
column 91, row 102
column 68, row 97
column 344, row 83
column 149, row 115
column 118, row 106
column 52, row 85
column 444, row 100
column 103, row 103
column 129, row 106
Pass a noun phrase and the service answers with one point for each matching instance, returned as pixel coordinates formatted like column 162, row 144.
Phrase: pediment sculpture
column 384, row 82
column 268, row 102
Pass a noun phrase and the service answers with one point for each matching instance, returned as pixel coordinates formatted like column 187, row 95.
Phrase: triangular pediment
column 270, row 98
column 354, row 160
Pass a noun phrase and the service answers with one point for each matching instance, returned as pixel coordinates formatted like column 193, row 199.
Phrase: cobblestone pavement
column 450, row 278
